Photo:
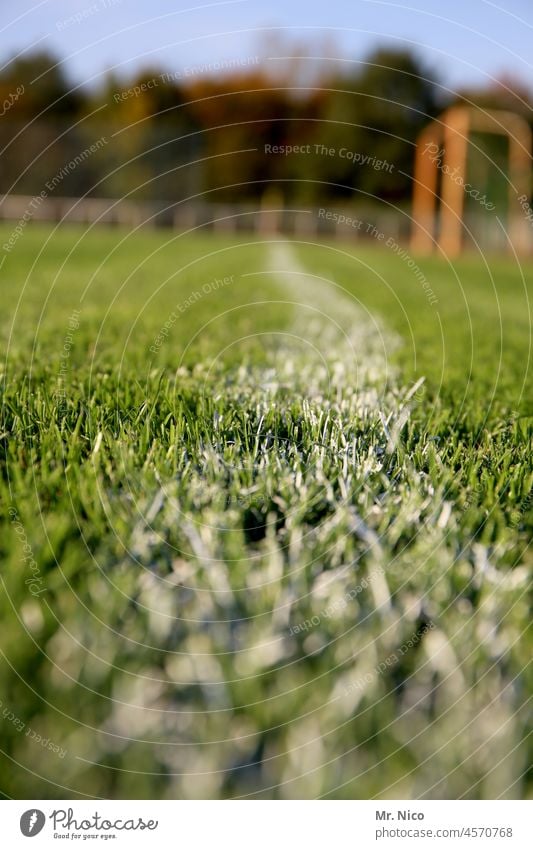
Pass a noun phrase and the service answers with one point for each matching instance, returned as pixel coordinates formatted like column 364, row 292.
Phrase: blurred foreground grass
column 215, row 552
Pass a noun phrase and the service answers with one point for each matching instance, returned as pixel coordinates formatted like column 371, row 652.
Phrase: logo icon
column 32, row 822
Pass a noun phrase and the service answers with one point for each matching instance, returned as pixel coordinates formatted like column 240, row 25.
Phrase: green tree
column 376, row 112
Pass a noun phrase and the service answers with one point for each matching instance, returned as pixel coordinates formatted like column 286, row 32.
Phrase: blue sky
column 466, row 41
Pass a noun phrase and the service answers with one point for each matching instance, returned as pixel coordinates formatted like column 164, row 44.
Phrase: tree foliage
column 350, row 135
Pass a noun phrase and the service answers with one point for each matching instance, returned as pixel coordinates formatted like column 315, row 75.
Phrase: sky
column 467, row 42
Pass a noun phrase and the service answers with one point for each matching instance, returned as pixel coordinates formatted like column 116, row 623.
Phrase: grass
column 267, row 560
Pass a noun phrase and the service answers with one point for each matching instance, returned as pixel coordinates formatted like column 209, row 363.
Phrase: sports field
column 268, row 511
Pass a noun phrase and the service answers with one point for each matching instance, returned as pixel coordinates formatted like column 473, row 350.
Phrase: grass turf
column 258, row 567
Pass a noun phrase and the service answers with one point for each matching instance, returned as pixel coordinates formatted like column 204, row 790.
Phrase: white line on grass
column 354, row 547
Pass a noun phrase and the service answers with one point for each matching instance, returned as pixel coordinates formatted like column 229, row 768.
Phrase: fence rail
column 370, row 224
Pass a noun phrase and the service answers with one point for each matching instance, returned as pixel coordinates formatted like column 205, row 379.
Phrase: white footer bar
column 268, row 824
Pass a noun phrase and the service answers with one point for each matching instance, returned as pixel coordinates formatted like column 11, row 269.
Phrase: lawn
column 266, row 515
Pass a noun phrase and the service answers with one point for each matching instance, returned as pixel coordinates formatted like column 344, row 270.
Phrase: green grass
column 188, row 509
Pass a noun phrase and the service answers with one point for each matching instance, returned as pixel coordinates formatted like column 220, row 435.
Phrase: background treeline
column 167, row 139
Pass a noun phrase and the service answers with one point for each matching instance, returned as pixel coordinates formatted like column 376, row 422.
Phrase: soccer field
column 267, row 514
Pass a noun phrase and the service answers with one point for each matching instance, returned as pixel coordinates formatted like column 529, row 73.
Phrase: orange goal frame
column 451, row 131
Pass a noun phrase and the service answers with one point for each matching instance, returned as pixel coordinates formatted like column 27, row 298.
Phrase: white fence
column 316, row 222
column 366, row 224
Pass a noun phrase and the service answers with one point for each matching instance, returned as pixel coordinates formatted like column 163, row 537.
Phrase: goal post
column 443, row 147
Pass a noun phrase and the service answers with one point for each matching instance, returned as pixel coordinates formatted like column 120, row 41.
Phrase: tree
column 377, row 113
